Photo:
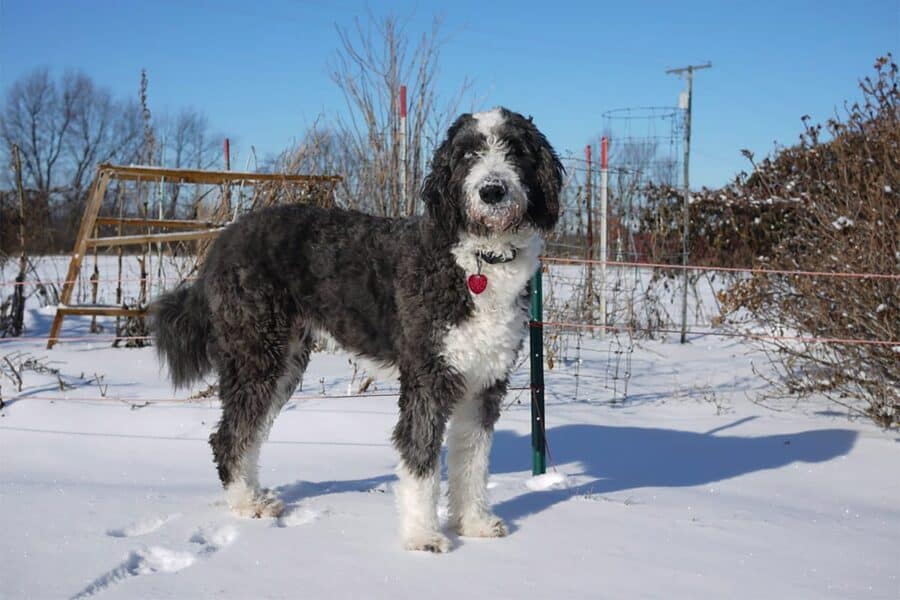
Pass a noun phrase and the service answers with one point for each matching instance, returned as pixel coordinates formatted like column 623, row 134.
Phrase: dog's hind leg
column 468, row 449
column 253, row 392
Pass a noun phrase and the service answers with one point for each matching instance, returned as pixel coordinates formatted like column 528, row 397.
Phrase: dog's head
column 495, row 172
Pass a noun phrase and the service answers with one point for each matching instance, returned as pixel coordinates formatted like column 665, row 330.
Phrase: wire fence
column 571, row 280
column 567, row 322
column 544, row 259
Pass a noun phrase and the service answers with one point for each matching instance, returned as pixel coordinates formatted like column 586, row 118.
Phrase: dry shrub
column 730, row 227
column 260, row 195
column 845, row 181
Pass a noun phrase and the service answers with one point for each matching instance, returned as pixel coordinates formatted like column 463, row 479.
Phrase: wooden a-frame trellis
column 192, row 229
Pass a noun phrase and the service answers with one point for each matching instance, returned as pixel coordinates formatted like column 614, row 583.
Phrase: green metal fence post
column 538, row 442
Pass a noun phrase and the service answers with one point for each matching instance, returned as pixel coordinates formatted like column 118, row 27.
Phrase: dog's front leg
column 468, row 452
column 425, row 405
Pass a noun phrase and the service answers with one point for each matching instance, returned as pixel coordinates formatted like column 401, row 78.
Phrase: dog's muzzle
column 497, row 202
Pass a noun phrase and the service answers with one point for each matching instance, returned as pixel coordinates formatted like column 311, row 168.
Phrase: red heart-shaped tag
column 477, row 283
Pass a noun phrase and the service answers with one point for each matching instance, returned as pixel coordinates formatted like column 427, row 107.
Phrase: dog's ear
column 549, row 175
column 441, row 197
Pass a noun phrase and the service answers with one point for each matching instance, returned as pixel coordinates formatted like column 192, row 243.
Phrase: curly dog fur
column 393, row 290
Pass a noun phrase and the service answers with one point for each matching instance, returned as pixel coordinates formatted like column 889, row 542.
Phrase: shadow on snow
column 626, row 458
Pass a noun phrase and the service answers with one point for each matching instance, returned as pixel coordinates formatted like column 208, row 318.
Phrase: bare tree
column 37, row 118
column 320, row 151
column 65, row 127
column 375, row 58
column 188, row 143
column 101, row 130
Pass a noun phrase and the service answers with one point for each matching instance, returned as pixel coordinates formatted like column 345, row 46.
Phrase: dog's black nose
column 492, row 193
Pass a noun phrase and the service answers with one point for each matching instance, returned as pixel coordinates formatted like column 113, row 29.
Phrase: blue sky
column 259, row 69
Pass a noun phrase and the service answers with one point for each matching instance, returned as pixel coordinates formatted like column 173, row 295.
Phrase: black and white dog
column 443, row 298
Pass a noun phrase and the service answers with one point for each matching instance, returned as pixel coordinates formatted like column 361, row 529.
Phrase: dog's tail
column 181, row 324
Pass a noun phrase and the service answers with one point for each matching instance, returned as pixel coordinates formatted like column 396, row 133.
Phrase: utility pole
column 688, row 73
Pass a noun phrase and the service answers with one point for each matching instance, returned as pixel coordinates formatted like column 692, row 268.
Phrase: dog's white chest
column 483, row 348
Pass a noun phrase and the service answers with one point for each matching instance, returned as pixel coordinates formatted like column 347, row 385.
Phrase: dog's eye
column 516, row 149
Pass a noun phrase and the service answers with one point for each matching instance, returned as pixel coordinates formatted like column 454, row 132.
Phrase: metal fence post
column 538, row 441
column 604, row 194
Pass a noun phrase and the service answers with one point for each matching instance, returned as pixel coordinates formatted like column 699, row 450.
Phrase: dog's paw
column 432, row 541
column 269, row 504
column 486, row 526
column 264, row 504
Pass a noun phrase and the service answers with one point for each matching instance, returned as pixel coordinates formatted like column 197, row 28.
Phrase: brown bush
column 730, row 227
column 845, row 180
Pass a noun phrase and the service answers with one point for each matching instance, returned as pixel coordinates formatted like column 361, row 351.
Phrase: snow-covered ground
column 687, row 489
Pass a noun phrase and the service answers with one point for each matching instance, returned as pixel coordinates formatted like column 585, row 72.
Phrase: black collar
column 496, row 259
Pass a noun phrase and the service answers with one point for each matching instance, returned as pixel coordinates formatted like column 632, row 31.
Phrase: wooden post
column 95, row 286
column 20, row 190
column 18, row 304
column 121, row 250
column 145, row 249
column 95, row 199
